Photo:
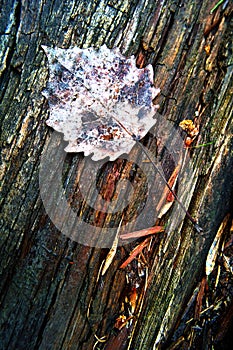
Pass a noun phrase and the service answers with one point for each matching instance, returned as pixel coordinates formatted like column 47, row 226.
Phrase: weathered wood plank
column 52, row 296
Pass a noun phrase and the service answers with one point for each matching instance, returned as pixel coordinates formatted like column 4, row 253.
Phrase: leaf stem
column 197, row 227
column 216, row 6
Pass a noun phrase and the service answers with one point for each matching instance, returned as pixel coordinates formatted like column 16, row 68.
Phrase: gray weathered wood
column 50, row 297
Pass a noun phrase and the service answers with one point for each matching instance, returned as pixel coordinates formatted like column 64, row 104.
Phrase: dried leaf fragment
column 191, row 130
column 137, row 250
column 167, row 197
column 143, row 233
column 112, row 251
column 214, row 249
column 99, row 99
column 200, row 296
column 122, row 321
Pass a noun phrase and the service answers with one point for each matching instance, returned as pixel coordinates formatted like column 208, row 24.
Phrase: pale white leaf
column 99, row 100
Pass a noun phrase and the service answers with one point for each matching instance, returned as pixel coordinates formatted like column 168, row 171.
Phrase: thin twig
column 134, row 253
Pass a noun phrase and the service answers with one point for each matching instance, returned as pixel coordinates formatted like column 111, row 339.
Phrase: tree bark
column 52, row 294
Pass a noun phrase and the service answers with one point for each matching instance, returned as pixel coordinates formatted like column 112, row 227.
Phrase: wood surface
column 52, row 295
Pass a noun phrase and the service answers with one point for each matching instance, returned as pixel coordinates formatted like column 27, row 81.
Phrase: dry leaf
column 214, row 249
column 200, row 295
column 99, row 100
column 191, row 130
column 143, row 233
column 167, row 197
column 110, row 256
column 112, row 251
